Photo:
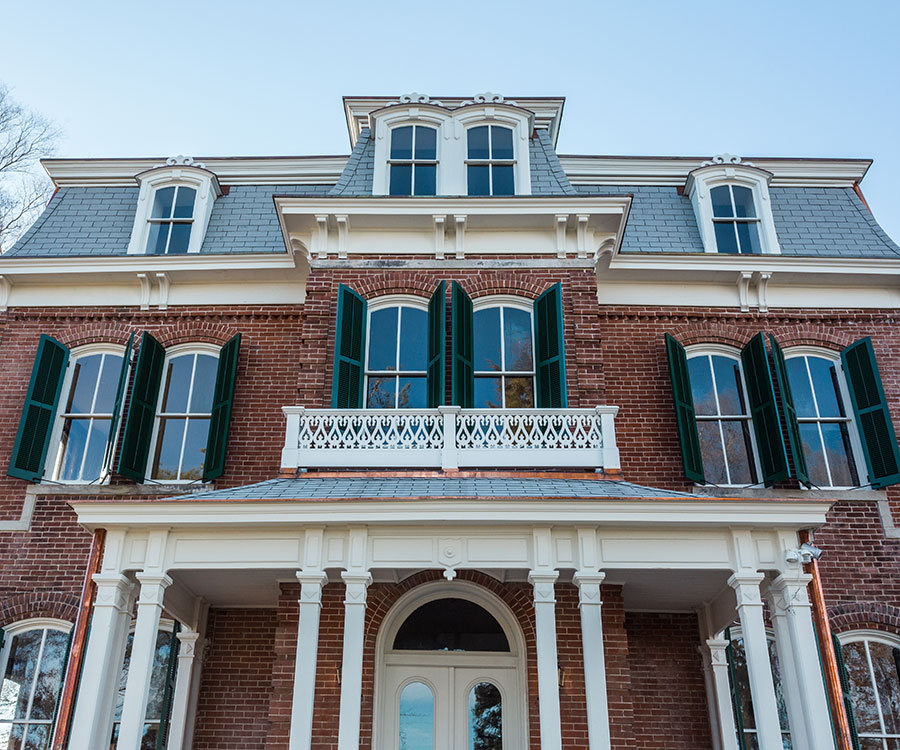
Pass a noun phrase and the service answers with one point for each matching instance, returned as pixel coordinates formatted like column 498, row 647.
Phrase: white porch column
column 715, row 665
column 759, row 670
column 590, row 604
column 143, row 649
column 92, row 722
column 351, row 667
column 181, row 698
column 547, row 664
column 792, row 611
column 307, row 657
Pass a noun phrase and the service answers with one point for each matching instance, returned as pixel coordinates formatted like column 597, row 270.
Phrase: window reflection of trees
column 873, row 668
column 504, row 358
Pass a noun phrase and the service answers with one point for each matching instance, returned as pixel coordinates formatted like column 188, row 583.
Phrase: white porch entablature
column 566, row 227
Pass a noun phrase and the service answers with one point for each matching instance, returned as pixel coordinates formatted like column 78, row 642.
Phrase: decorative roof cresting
column 183, row 161
column 727, row 159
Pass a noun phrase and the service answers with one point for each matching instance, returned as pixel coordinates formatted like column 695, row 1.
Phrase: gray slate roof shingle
column 351, row 488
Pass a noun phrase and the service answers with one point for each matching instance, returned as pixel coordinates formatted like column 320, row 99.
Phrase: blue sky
column 798, row 78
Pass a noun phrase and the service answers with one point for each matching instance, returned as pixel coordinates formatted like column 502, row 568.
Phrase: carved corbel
column 743, row 286
column 144, row 281
column 164, row 285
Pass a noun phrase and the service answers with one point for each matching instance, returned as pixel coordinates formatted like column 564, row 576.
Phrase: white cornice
column 693, row 263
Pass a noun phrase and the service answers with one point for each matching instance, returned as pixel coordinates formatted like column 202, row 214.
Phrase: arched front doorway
column 450, row 672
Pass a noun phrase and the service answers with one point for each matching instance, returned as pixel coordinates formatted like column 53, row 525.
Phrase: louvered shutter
column 845, row 691
column 436, row 346
column 142, row 409
column 349, row 350
column 463, row 370
column 876, row 430
column 223, row 395
column 790, row 413
column 41, row 399
column 550, row 362
column 764, row 411
column 685, row 418
column 117, row 406
column 165, row 717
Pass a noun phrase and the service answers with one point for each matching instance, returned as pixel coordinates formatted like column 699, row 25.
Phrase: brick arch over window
column 193, row 332
column 809, row 335
column 494, row 284
column 865, row 616
column 383, row 284
column 29, row 606
column 100, row 332
column 715, row 333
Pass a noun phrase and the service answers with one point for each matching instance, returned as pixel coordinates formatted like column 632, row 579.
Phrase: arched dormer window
column 174, row 205
column 413, row 160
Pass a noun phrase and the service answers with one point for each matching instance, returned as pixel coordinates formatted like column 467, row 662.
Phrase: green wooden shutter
column 33, row 437
column 349, row 350
column 142, row 409
column 550, row 362
column 845, row 690
column 764, row 411
column 685, row 418
column 436, row 346
column 735, row 692
column 790, row 413
column 117, row 406
column 165, row 717
column 223, row 395
column 876, row 430
column 463, row 370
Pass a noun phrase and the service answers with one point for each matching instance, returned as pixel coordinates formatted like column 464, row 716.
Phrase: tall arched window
column 872, row 661
column 504, row 356
column 33, row 661
column 413, row 160
column 490, row 163
column 397, row 355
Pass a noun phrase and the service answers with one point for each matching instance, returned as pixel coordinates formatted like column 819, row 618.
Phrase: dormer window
column 735, row 220
column 413, row 160
column 491, row 163
column 170, row 220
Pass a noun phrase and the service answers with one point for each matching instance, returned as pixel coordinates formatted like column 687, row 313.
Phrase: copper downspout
column 826, row 648
column 858, row 191
column 79, row 645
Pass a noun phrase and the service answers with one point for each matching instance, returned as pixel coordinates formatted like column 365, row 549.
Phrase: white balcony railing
column 450, row 437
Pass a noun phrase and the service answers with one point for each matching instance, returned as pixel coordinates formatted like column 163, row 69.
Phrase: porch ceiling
column 668, row 590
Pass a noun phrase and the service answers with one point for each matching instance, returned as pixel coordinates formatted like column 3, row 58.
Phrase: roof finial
column 183, row 161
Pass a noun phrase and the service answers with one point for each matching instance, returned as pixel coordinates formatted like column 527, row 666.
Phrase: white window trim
column 381, row 303
column 175, row 351
column 862, row 472
column 877, row 636
column 701, row 181
column 452, row 146
column 52, row 461
column 721, row 350
column 436, row 126
column 201, row 180
column 519, row 303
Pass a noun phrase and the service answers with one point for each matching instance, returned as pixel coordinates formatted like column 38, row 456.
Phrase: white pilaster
column 307, row 657
column 547, row 664
column 590, row 604
column 351, row 666
column 187, row 655
column 759, row 670
column 102, row 662
column 143, row 650
column 715, row 664
column 807, row 701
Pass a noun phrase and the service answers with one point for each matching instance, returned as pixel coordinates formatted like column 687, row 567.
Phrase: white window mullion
column 875, row 691
column 34, row 681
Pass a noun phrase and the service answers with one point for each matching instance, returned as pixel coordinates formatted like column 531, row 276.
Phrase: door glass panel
column 416, row 730
column 451, row 625
column 485, row 717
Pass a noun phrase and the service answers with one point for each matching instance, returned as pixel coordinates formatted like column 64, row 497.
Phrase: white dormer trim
column 731, row 170
column 176, row 171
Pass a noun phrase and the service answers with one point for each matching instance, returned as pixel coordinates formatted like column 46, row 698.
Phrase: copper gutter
column 78, row 646
column 826, row 649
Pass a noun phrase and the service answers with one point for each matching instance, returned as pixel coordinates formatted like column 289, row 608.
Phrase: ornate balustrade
column 450, row 437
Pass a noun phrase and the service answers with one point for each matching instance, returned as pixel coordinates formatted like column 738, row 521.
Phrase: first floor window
column 34, row 659
column 872, row 662
column 396, row 358
column 743, row 703
column 504, row 357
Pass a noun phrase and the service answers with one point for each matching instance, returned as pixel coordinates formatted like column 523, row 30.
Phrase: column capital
column 311, row 584
column 114, row 591
column 789, row 591
column 589, row 587
column 746, row 587
column 543, row 581
column 356, row 584
column 715, row 647
column 188, row 640
column 153, row 587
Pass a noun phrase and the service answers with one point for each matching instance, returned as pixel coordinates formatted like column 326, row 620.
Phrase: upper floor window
column 504, row 357
column 170, row 220
column 397, row 359
column 33, row 660
column 413, row 160
column 872, row 663
column 735, row 220
column 490, row 163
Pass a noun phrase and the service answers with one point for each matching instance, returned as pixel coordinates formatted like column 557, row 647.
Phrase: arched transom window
column 397, row 356
column 504, row 357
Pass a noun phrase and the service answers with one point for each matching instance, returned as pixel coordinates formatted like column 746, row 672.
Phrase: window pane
column 840, row 454
column 180, row 239
column 478, row 180
column 862, row 693
column 109, row 382
column 702, row 386
column 74, row 440
column 50, row 676
column 383, row 339
column 162, row 203
column 96, row 450
column 184, row 203
column 381, row 393
column 824, row 378
column 478, row 142
column 168, row 448
column 413, row 393
column 158, row 675
column 726, row 241
column 739, row 658
column 519, row 393
column 488, row 394
column 401, row 142
column 416, row 717
column 426, row 179
column 159, row 236
column 815, row 455
column 748, row 234
column 503, row 180
column 426, row 143
column 517, row 340
column 451, row 625
column 38, row 736
column 177, row 384
column 401, row 179
column 84, row 381
column 148, row 738
column 413, row 339
column 885, row 663
column 485, row 718
column 204, row 383
column 711, row 450
column 800, row 387
column 501, row 143
column 487, row 339
column 194, row 449
column 739, row 451
column 743, row 202
column 721, row 201
column 20, row 667
column 728, row 385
